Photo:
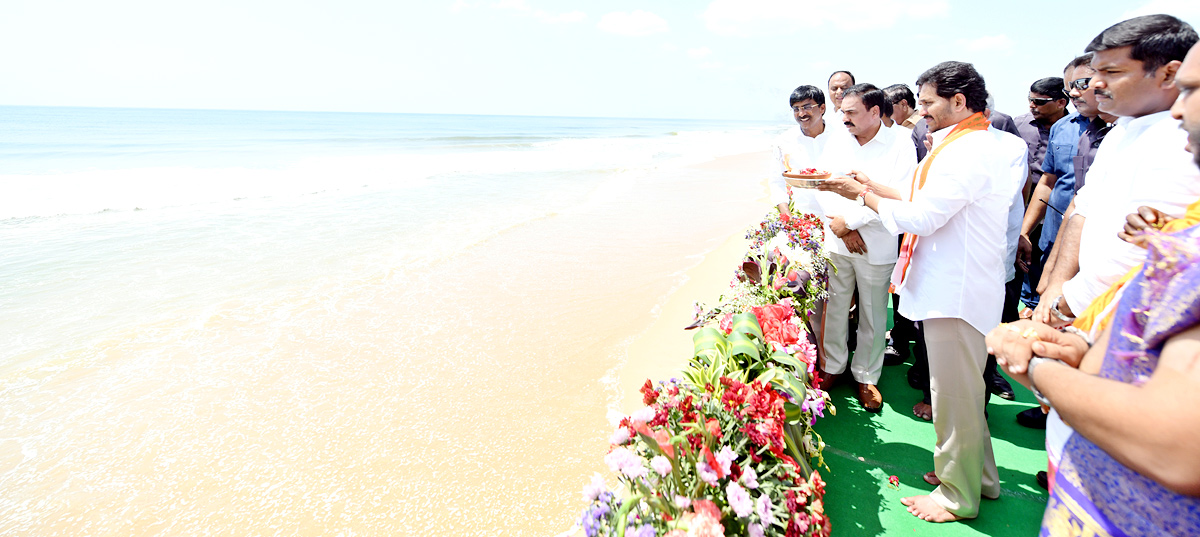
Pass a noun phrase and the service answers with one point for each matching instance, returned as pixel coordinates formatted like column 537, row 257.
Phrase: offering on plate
column 806, row 177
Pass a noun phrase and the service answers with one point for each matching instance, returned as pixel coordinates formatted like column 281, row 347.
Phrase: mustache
column 847, row 123
column 1105, row 93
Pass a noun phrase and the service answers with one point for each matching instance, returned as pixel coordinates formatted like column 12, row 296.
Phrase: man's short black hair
column 952, row 78
column 1081, row 60
column 1050, row 86
column 848, row 73
column 870, row 96
column 900, row 92
column 807, row 92
column 1156, row 39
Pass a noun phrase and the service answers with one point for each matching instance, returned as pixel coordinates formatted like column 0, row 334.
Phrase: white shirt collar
column 1137, row 123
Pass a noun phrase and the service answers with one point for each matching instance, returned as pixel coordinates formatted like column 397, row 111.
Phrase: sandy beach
column 468, row 394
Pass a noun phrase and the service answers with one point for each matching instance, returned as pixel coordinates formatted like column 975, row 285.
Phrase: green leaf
column 747, row 323
column 740, row 343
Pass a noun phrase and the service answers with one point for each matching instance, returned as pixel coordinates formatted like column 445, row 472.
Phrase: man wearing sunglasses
column 1047, row 105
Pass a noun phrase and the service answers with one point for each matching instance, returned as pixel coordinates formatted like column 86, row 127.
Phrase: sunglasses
column 1080, row 84
column 1041, row 102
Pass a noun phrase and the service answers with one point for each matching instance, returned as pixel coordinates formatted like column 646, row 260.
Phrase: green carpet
column 863, row 449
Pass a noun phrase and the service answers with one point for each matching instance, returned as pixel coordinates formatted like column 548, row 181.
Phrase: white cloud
column 1187, row 10
column 637, row 23
column 521, row 6
column 697, row 53
column 745, row 18
column 989, row 43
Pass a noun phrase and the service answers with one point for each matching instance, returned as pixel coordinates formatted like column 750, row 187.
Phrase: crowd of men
column 978, row 228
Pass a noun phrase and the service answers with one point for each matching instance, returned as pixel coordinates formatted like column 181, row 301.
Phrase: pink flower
column 750, row 478
column 661, row 464
column 645, row 415
column 683, row 502
column 756, row 530
column 707, row 520
column 620, row 436
column 621, row 460
column 739, row 499
column 765, row 510
column 725, row 459
column 707, row 474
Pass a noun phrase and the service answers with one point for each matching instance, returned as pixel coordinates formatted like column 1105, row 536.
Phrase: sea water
column 300, row 323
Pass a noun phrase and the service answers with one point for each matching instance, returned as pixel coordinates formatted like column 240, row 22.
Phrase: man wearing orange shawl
column 951, row 272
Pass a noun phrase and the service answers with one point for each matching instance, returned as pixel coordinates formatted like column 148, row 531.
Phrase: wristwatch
column 862, row 197
column 1033, row 364
column 1058, row 313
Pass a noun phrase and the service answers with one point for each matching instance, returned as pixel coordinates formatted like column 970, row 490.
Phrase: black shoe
column 1033, row 418
column 891, row 356
column 1001, row 388
column 915, row 380
column 1043, row 480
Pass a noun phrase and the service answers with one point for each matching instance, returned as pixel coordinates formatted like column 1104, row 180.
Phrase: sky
column 712, row 59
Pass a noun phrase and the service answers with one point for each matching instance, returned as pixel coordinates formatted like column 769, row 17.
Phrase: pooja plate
column 806, row 180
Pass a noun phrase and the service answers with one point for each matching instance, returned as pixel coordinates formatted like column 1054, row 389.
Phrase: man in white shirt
column 861, row 249
column 801, row 146
column 1140, row 162
column 837, row 84
column 951, row 272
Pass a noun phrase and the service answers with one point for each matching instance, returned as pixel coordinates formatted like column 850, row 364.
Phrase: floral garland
column 729, row 450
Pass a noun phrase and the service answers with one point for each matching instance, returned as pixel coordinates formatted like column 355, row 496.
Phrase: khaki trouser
column 963, row 457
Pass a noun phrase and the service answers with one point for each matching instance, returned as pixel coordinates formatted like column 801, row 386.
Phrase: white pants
column 872, row 281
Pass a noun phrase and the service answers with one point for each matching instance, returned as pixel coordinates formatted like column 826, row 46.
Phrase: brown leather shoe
column 827, row 379
column 869, row 396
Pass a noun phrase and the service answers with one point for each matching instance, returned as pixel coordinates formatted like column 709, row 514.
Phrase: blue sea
column 305, row 323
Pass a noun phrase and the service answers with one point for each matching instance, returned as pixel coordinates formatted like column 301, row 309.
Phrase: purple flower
column 661, row 464
column 707, row 474
column 645, row 531
column 739, row 499
column 683, row 502
column 725, row 458
column 592, row 490
column 756, row 530
column 765, row 510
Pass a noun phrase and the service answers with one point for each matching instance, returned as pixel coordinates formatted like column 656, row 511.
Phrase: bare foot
column 924, row 508
column 923, row 411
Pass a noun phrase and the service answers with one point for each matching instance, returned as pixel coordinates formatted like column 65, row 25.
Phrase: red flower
column 713, row 427
column 649, row 395
column 817, row 483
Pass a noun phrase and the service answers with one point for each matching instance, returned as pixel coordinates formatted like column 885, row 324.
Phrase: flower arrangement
column 706, row 461
column 787, row 260
column 730, row 449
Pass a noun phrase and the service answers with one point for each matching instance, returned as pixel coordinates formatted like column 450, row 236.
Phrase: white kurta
column 961, row 216
column 801, row 152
